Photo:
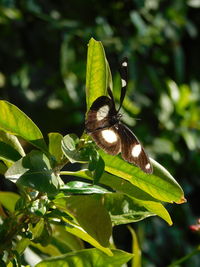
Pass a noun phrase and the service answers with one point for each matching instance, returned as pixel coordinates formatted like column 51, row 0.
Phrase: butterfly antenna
column 123, row 71
column 110, row 94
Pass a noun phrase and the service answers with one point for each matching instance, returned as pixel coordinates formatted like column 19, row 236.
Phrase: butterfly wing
column 132, row 150
column 99, row 125
column 108, row 139
column 98, row 115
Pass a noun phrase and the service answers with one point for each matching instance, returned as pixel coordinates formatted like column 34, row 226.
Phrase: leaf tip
column 181, row 200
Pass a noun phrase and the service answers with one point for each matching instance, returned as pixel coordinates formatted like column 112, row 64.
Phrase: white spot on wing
column 109, row 136
column 124, row 64
column 148, row 166
column 123, row 83
column 102, row 112
column 136, row 150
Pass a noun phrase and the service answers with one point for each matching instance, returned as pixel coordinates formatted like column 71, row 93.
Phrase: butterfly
column 103, row 124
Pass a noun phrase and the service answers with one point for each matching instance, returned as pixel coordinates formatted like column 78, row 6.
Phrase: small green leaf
column 12, row 141
column 77, row 187
column 70, row 147
column 8, row 200
column 38, row 207
column 8, row 153
column 22, row 244
column 3, row 168
column 98, row 76
column 88, row 258
column 34, row 170
column 42, row 233
column 90, row 214
column 16, row 122
column 96, row 165
column 55, row 145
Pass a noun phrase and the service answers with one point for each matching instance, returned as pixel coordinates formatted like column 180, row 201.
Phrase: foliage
column 43, row 65
column 46, row 201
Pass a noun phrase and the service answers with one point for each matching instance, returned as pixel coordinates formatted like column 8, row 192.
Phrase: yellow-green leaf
column 88, row 258
column 8, row 200
column 55, row 145
column 161, row 185
column 16, row 122
column 136, row 261
column 98, row 76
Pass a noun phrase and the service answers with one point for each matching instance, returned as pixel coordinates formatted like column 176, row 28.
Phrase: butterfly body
column 109, row 133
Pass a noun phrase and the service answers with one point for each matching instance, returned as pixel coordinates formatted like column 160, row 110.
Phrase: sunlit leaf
column 161, row 185
column 88, row 258
column 81, row 233
column 140, row 197
column 12, row 141
column 16, row 122
column 70, row 147
column 34, row 170
column 66, row 239
column 98, row 76
column 77, row 187
column 136, row 261
column 8, row 200
column 90, row 214
column 55, row 145
column 124, row 209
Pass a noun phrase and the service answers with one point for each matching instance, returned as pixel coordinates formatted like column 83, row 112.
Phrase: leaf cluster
column 55, row 217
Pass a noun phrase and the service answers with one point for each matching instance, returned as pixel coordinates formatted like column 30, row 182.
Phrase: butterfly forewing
column 132, row 150
column 98, row 116
column 108, row 139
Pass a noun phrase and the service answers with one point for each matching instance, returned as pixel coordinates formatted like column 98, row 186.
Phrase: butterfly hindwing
column 132, row 150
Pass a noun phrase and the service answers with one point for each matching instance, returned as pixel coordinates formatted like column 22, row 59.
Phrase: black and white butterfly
column 104, row 125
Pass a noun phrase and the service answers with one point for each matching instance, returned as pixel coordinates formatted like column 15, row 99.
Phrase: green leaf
column 34, row 170
column 136, row 261
column 161, row 185
column 88, row 258
column 8, row 200
column 77, row 187
column 22, row 245
column 42, row 233
column 8, row 153
column 120, row 185
column 90, row 214
column 81, row 233
column 96, row 165
column 16, row 122
column 66, row 239
column 124, row 209
column 49, row 249
column 12, row 141
column 55, row 145
column 3, row 168
column 98, row 76
column 71, row 149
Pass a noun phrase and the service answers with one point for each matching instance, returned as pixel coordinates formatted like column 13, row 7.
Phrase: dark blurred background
column 43, row 52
